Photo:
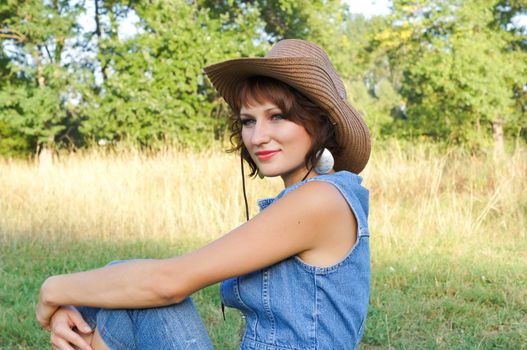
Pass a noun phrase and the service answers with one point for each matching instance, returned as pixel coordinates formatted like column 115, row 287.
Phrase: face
column 277, row 145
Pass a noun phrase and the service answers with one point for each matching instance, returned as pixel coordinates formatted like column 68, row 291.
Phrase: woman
column 299, row 271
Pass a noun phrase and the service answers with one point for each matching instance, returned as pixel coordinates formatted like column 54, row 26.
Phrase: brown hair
column 297, row 107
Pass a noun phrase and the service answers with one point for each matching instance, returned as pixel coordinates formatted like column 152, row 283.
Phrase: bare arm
column 294, row 224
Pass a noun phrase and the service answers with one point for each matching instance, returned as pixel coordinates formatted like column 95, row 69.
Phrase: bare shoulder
column 321, row 196
column 333, row 226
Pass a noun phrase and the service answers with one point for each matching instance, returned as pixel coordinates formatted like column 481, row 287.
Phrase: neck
column 293, row 179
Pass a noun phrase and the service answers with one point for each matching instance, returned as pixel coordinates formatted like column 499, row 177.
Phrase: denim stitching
column 333, row 268
column 315, row 325
column 239, row 299
column 267, row 303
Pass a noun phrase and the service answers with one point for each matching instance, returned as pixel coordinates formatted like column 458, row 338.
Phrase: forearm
column 135, row 284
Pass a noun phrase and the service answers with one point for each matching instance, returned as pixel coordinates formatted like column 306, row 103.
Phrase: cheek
column 299, row 136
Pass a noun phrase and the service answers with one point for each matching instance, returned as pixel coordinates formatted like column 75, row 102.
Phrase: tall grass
column 415, row 193
column 423, row 193
column 449, row 247
column 126, row 195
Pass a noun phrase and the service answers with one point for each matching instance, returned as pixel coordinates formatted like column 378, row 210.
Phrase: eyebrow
column 267, row 110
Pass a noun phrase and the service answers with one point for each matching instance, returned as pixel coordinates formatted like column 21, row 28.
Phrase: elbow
column 169, row 289
column 168, row 294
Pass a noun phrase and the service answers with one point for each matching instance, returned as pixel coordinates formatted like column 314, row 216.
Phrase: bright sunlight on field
column 449, row 248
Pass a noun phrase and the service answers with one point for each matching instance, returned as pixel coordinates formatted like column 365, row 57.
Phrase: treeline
column 73, row 74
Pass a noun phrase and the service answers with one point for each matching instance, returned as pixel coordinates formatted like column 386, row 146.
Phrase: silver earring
column 325, row 162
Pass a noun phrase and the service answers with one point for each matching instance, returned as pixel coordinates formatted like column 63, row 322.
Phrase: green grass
column 25, row 263
column 448, row 237
column 432, row 297
column 427, row 295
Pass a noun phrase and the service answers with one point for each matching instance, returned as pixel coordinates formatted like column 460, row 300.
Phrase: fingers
column 58, row 343
column 63, row 335
column 65, row 339
column 79, row 322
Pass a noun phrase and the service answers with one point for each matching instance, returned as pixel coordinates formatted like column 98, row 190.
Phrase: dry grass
column 422, row 194
column 126, row 195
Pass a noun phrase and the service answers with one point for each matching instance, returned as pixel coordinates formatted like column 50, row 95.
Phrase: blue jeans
column 177, row 327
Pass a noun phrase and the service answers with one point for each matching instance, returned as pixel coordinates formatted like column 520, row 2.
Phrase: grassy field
column 449, row 236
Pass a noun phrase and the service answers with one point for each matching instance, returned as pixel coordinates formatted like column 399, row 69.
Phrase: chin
column 270, row 173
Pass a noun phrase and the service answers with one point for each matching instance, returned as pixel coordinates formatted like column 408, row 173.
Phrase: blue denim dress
column 288, row 306
column 296, row 306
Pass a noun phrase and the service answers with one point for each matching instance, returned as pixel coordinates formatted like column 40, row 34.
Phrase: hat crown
column 289, row 48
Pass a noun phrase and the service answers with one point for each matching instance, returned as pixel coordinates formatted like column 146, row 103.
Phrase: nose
column 260, row 134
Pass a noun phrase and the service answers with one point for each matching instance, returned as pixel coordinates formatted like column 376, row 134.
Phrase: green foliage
column 460, row 71
column 375, row 107
column 156, row 90
column 12, row 142
column 33, row 95
column 449, row 71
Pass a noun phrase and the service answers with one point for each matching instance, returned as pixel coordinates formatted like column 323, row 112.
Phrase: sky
column 369, row 7
column 382, row 7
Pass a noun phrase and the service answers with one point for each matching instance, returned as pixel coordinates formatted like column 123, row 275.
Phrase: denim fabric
column 173, row 327
column 177, row 327
column 293, row 305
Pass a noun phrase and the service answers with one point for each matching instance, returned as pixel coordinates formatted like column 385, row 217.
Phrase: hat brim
column 305, row 75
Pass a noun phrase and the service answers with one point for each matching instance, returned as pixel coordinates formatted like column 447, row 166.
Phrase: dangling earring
column 325, row 162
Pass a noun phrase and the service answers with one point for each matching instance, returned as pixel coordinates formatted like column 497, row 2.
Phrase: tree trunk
column 44, row 149
column 45, row 157
column 60, row 39
column 497, row 132
column 40, row 69
column 99, row 40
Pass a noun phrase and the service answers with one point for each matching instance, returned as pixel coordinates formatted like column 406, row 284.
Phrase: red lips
column 264, row 155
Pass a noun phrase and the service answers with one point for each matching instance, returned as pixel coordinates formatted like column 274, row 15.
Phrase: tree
column 154, row 89
column 33, row 100
column 320, row 21
column 458, row 70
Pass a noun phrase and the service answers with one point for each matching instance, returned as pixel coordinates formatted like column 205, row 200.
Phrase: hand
column 44, row 309
column 69, row 330
column 44, row 314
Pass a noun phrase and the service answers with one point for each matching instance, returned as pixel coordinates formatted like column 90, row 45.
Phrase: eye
column 278, row 116
column 247, row 122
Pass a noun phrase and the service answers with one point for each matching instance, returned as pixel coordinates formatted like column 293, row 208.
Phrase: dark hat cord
column 246, row 216
column 244, row 192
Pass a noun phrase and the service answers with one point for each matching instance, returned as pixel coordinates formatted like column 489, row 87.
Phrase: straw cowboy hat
column 305, row 67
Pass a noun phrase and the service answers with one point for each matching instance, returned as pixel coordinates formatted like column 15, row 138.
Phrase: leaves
column 446, row 70
column 460, row 71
